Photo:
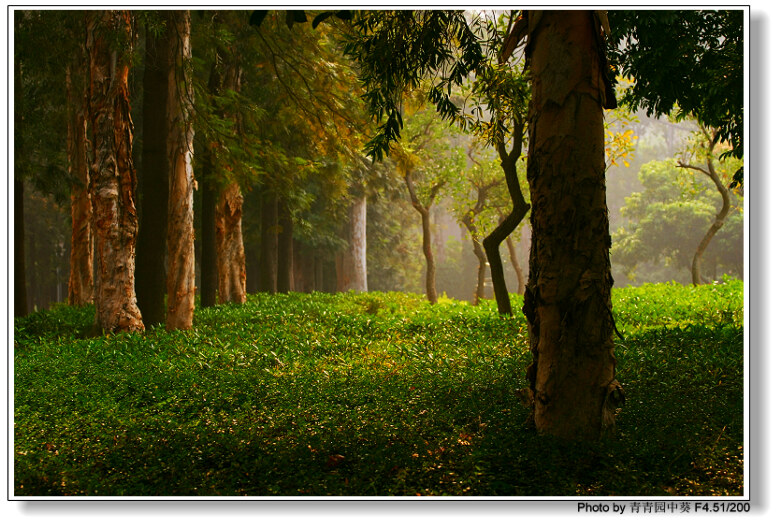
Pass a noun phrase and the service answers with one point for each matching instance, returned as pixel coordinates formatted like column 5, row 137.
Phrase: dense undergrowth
column 370, row 394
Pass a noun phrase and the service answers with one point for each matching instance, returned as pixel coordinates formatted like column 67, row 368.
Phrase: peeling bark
column 567, row 298
column 80, row 283
column 352, row 274
column 113, row 180
column 231, row 259
column 181, row 180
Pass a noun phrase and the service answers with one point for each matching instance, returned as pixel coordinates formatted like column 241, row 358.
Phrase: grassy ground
column 370, row 394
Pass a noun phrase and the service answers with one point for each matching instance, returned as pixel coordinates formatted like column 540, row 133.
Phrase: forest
column 378, row 253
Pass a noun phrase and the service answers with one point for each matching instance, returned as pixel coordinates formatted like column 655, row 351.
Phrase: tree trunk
column 269, row 242
column 20, row 158
column 150, row 275
column 567, row 299
column 113, row 176
column 284, row 274
column 720, row 218
column 479, row 252
column 425, row 215
column 208, row 254
column 181, row 185
column 20, row 281
column 520, row 207
column 80, row 283
column 352, row 273
column 510, row 245
column 231, row 260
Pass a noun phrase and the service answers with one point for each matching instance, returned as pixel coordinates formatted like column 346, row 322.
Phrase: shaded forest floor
column 370, row 394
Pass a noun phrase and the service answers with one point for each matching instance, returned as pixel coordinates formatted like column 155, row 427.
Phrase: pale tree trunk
column 231, row 259
column 567, row 299
column 720, row 218
column 181, row 179
column 284, row 272
column 80, row 284
column 112, row 174
column 352, row 274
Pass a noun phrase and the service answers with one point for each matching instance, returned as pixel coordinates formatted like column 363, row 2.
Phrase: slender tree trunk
column 20, row 282
column 181, row 185
column 567, row 299
column 520, row 207
column 20, row 159
column 720, row 218
column 425, row 216
column 352, row 273
column 284, row 279
column 112, row 174
column 269, row 240
column 231, row 259
column 150, row 275
column 515, row 264
column 208, row 254
column 80, row 283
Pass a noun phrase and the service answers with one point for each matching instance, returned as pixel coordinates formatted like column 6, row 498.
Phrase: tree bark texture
column 80, row 283
column 352, row 273
column 181, row 180
column 150, row 275
column 567, row 299
column 113, row 180
column 269, row 238
column 231, row 259
column 510, row 245
column 284, row 280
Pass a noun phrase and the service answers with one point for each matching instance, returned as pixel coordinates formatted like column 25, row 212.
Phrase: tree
column 153, row 176
column 80, row 284
column 567, row 298
column 181, row 180
column 113, row 176
column 720, row 218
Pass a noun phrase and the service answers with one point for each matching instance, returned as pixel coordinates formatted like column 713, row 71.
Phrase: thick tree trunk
column 80, row 283
column 181, row 182
column 150, row 283
column 352, row 273
column 112, row 173
column 269, row 242
column 231, row 260
column 567, row 300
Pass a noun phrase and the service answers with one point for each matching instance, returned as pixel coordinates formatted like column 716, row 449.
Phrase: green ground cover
column 371, row 394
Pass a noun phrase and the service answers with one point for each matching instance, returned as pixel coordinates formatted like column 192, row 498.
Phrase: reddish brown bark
column 181, row 180
column 113, row 180
column 80, row 283
column 231, row 260
column 567, row 299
